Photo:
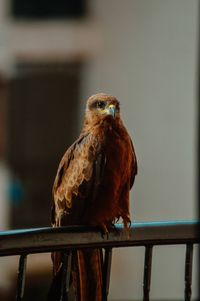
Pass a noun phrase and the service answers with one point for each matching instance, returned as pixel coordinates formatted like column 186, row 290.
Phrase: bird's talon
column 127, row 223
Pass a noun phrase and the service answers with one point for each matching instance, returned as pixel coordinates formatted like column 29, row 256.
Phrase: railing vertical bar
column 65, row 280
column 21, row 277
column 69, row 265
column 147, row 272
column 106, row 273
column 188, row 271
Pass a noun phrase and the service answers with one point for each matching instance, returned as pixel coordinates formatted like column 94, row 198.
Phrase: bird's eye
column 100, row 104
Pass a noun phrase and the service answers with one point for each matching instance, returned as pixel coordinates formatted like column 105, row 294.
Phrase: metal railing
column 66, row 239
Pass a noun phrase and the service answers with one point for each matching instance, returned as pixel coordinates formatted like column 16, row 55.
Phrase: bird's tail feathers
column 85, row 278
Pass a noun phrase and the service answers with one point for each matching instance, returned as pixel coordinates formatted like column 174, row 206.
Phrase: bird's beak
column 111, row 110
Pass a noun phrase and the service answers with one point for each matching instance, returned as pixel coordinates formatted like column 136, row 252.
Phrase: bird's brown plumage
column 92, row 184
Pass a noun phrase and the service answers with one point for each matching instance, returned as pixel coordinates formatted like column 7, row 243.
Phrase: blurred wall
column 149, row 62
column 145, row 53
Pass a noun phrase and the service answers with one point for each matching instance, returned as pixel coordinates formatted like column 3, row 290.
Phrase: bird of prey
column 92, row 187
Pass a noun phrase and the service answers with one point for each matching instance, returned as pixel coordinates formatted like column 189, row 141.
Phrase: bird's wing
column 76, row 184
column 78, row 178
column 134, row 169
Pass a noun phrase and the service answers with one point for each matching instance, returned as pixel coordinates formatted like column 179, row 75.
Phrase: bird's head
column 102, row 106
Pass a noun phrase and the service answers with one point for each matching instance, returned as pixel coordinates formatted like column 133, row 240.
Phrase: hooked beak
column 111, row 110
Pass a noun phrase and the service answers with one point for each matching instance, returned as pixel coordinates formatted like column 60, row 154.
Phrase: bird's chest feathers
column 116, row 148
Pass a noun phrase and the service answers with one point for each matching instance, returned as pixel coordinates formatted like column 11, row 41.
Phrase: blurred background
column 53, row 56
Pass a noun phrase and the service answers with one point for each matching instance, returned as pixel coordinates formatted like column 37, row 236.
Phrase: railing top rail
column 36, row 240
